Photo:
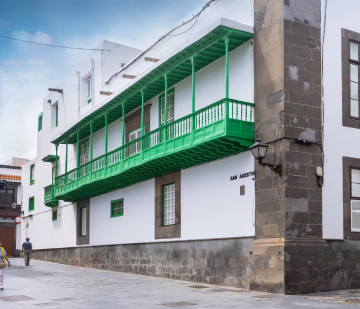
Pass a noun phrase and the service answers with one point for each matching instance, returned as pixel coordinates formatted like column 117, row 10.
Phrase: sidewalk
column 45, row 284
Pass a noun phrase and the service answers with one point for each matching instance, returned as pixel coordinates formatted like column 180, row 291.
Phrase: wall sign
column 244, row 175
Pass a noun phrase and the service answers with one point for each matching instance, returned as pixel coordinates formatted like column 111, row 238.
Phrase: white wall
column 339, row 141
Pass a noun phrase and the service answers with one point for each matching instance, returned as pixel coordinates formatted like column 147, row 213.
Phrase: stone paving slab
column 46, row 285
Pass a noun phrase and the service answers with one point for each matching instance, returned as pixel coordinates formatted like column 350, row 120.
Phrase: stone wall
column 221, row 262
column 344, row 264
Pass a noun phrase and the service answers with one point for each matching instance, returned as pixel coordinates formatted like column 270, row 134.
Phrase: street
column 45, row 284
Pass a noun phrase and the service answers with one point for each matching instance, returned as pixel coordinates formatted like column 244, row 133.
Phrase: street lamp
column 259, row 150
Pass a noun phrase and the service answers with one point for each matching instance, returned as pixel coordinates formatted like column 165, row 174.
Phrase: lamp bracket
column 277, row 168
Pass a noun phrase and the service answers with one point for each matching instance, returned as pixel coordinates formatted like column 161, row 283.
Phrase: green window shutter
column 117, row 208
column 32, row 174
column 31, row 203
column 56, row 115
column 54, row 215
column 40, row 122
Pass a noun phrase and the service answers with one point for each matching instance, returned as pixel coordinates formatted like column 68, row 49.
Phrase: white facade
column 339, row 140
column 211, row 204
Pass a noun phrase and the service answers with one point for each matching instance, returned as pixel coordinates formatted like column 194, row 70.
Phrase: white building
column 144, row 154
column 10, row 204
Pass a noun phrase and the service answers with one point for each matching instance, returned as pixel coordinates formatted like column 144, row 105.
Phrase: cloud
column 38, row 36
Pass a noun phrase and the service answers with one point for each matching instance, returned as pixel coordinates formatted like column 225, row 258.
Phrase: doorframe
column 82, row 240
column 15, row 253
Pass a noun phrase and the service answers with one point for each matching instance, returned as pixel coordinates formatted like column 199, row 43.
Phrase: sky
column 28, row 70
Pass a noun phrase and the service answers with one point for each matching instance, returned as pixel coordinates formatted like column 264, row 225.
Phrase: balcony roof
column 208, row 48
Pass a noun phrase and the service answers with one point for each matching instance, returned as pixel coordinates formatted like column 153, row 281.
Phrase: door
column 7, row 239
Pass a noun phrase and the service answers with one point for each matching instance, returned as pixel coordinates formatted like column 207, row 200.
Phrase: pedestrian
column 27, row 249
column 3, row 257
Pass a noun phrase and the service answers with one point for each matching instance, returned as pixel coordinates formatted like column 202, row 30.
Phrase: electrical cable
column 51, row 45
column 161, row 38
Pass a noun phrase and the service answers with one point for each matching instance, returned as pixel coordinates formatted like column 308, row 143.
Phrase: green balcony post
column 142, row 112
column 91, row 141
column 56, row 160
column 106, row 138
column 193, row 93
column 66, row 156
column 78, row 149
column 123, row 125
column 166, row 106
column 226, row 82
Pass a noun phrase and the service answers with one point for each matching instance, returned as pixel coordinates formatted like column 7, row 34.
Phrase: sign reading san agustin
column 244, row 175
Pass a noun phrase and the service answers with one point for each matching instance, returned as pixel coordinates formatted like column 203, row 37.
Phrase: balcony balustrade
column 6, row 211
column 221, row 129
column 49, row 199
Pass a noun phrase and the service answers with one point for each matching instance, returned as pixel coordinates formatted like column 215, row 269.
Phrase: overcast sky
column 27, row 70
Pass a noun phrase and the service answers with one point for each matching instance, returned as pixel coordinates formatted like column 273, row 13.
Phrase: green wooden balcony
column 49, row 199
column 208, row 134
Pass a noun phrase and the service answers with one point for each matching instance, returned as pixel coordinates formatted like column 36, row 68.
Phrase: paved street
column 45, row 284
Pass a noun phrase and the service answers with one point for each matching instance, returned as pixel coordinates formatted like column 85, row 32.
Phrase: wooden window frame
column 40, row 117
column 171, row 91
column 112, row 215
column 32, row 201
column 164, row 212
column 357, row 63
column 54, row 215
column 32, row 174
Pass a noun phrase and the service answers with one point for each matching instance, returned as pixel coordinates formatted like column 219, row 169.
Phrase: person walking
column 3, row 257
column 27, row 249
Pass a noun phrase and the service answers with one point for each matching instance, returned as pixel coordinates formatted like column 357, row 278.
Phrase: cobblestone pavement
column 45, row 284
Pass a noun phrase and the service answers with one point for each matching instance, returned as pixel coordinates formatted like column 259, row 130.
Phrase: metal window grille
column 354, row 79
column 169, row 204
column 117, row 208
column 83, row 221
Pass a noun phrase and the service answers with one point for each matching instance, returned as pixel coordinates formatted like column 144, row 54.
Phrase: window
column 134, row 134
column 83, row 211
column 40, row 122
column 354, row 78
column 31, row 203
column 88, row 89
column 355, row 200
column 170, row 112
column 32, row 174
column 84, row 151
column 169, row 204
column 117, row 208
column 56, row 115
column 54, row 215
column 7, row 197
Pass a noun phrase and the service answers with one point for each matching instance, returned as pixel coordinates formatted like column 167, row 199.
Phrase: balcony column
column 226, row 116
column 66, row 156
column 78, row 149
column 142, row 120
column 166, row 106
column 56, row 147
column 91, row 141
column 193, row 93
column 123, row 124
column 106, row 138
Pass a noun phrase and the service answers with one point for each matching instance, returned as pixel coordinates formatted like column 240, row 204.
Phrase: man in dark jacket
column 27, row 249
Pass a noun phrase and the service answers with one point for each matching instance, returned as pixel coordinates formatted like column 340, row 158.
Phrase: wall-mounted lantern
column 259, row 150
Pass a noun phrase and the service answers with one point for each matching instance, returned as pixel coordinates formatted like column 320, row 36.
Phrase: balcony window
column 32, row 174
column 170, row 112
column 169, row 204
column 117, row 208
column 7, row 197
column 84, row 151
column 134, row 134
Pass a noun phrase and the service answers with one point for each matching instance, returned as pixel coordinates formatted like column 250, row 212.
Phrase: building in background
column 10, row 204
column 143, row 164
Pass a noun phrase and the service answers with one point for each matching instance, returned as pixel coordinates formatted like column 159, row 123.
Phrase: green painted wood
column 123, row 125
column 91, row 141
column 49, row 158
column 56, row 161
column 49, row 199
column 106, row 133
column 152, row 155
column 66, row 157
column 78, row 149
column 209, row 48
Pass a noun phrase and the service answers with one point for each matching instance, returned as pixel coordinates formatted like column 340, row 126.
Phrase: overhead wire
column 196, row 16
column 51, row 45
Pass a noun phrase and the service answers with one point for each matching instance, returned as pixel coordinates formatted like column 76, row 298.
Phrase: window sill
column 114, row 216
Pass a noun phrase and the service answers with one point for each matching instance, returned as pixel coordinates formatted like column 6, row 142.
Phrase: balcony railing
column 6, row 211
column 210, row 133
column 49, row 199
